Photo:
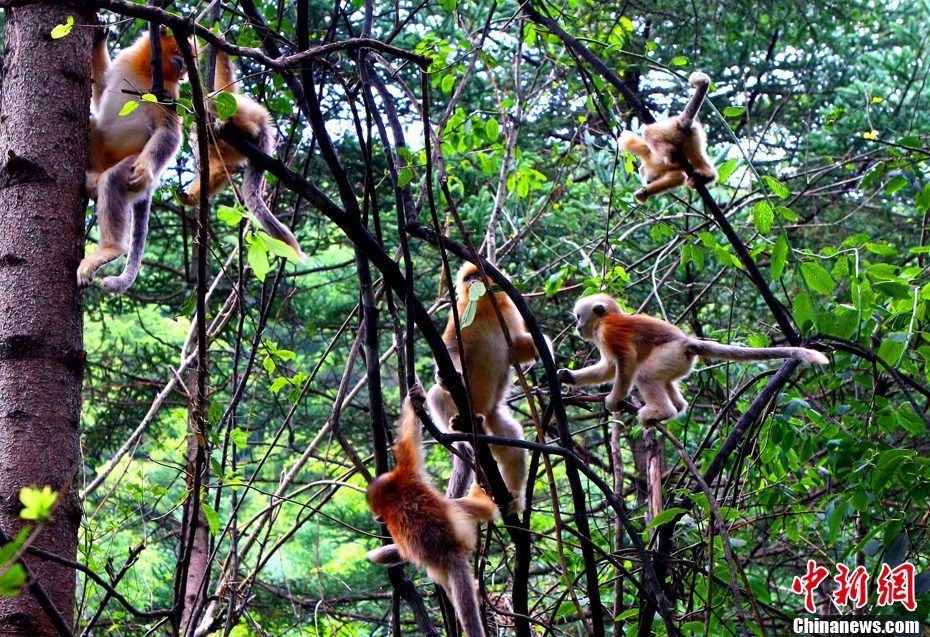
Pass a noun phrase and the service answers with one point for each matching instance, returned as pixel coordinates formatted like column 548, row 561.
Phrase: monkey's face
column 468, row 273
column 589, row 310
column 172, row 63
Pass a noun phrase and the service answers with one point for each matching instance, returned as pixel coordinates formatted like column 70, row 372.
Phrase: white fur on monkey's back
column 653, row 355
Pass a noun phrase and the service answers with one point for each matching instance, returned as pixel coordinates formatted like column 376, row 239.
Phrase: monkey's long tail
column 463, row 594
column 140, row 229
column 253, row 185
column 710, row 349
column 700, row 82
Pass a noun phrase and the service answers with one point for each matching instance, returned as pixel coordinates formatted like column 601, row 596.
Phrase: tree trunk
column 198, row 568
column 43, row 155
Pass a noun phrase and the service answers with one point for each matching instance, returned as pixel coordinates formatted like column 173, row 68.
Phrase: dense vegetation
column 817, row 121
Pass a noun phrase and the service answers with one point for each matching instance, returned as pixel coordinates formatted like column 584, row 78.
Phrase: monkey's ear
column 599, row 309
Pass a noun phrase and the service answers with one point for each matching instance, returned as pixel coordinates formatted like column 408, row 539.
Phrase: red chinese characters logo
column 808, row 583
column 896, row 585
column 851, row 589
column 893, row 585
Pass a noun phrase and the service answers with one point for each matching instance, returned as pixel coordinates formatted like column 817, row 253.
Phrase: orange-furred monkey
column 430, row 531
column 655, row 149
column 128, row 152
column 252, row 119
column 653, row 355
column 489, row 378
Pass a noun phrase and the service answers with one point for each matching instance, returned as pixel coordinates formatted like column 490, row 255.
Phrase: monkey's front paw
column 456, row 423
column 184, row 198
column 517, row 504
column 85, row 274
column 415, row 393
column 566, row 377
column 641, row 195
column 101, row 31
column 140, row 178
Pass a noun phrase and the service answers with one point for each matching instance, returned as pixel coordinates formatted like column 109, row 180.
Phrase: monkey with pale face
column 430, row 531
column 490, row 377
column 129, row 151
column 656, row 148
column 653, row 355
column 252, row 119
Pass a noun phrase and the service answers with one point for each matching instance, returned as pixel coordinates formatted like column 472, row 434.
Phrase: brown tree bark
column 43, row 155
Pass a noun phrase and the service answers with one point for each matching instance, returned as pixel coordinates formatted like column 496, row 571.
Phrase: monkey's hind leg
column 140, row 230
column 674, row 394
column 218, row 180
column 510, row 460
column 442, row 409
column 112, row 207
column 658, row 403
column 670, row 180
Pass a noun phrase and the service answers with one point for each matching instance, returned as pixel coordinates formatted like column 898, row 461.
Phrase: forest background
column 234, row 404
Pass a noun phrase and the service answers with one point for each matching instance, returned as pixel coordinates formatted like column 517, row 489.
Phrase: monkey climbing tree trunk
column 43, row 155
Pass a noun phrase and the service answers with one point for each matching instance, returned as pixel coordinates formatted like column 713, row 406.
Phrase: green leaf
column 817, row 278
column 258, row 258
column 804, row 313
column 239, row 437
column 476, row 290
column 468, row 315
column 778, row 189
column 11, row 582
column 724, row 172
column 763, row 217
column 229, row 215
column 492, row 130
column 226, row 104
column 213, row 518
column 666, row 516
column 679, row 61
column 447, row 83
column 404, row 177
column 787, row 213
column 733, row 111
column 277, row 247
column 61, row 30
column 37, row 503
column 896, row 184
column 779, row 256
column 148, row 97
column 891, row 349
column 128, row 107
column 269, row 365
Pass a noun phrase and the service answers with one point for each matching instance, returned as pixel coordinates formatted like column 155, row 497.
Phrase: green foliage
column 37, row 503
column 61, row 30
